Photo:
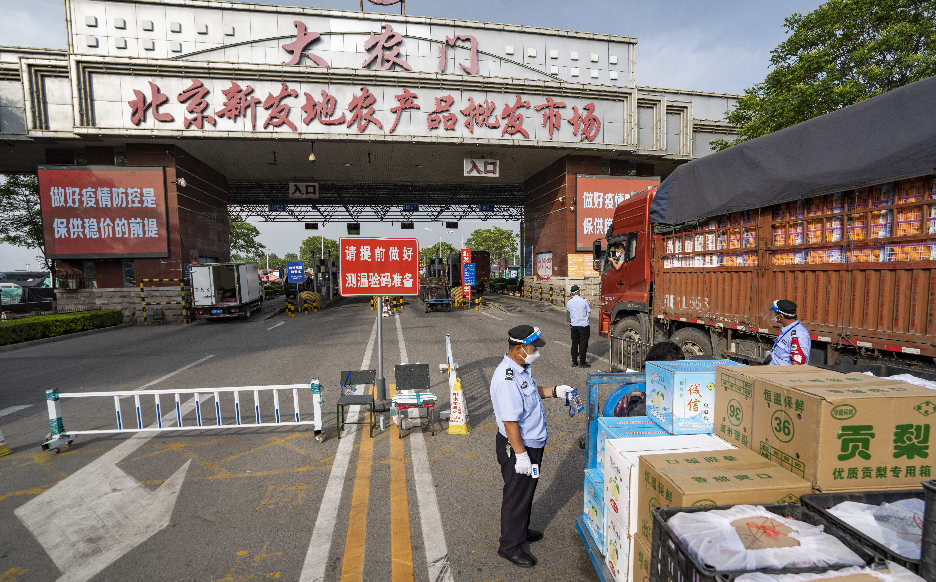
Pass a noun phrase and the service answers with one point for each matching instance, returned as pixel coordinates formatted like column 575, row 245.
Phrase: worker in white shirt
column 578, row 314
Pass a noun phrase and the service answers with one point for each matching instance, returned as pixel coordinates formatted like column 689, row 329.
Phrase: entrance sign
column 303, row 190
column 296, row 272
column 469, row 274
column 369, row 266
column 103, row 212
column 596, row 199
column 483, row 168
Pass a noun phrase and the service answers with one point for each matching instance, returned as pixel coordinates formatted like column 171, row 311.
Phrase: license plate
column 217, row 311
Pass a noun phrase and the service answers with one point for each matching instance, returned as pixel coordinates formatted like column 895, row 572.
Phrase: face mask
column 528, row 359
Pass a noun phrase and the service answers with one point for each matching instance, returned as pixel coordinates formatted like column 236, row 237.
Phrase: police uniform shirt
column 516, row 398
column 781, row 355
column 578, row 311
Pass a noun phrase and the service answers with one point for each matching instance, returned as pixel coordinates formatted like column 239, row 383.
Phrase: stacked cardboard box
column 680, row 395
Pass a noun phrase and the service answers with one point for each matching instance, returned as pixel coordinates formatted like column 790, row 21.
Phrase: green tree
column 500, row 243
column 435, row 250
column 311, row 250
column 843, row 52
column 20, row 215
column 244, row 241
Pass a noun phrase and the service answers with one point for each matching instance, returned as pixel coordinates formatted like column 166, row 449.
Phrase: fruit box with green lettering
column 695, row 479
column 849, row 432
column 735, row 387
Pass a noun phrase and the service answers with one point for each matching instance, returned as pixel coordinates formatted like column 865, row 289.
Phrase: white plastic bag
column 910, row 379
column 895, row 573
column 897, row 526
column 713, row 539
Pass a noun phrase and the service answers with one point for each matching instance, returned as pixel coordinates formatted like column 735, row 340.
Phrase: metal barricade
column 627, row 354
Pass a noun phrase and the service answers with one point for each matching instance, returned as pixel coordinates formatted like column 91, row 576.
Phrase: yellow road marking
column 401, row 544
column 33, row 491
column 12, row 574
column 352, row 565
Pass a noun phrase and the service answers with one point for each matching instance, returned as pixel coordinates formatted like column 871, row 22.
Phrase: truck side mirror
column 597, row 254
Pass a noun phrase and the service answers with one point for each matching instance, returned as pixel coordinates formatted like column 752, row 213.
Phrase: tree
column 311, row 250
column 244, row 241
column 436, row 250
column 500, row 243
column 843, row 52
column 20, row 214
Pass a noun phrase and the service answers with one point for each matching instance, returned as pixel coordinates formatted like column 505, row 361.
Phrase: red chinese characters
column 588, row 124
column 139, row 105
column 479, row 114
column 472, row 69
column 514, row 123
column 195, row 95
column 552, row 117
column 361, row 108
column 407, row 100
column 442, row 114
column 384, row 49
column 323, row 111
column 297, row 47
column 238, row 101
column 279, row 114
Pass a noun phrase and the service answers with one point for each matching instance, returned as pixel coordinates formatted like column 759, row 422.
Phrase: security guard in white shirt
column 579, row 309
column 521, row 438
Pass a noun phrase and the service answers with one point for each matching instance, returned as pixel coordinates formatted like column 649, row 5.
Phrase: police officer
column 792, row 344
column 521, row 438
column 579, row 309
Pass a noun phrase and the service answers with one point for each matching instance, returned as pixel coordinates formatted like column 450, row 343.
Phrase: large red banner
column 370, row 266
column 596, row 199
column 91, row 212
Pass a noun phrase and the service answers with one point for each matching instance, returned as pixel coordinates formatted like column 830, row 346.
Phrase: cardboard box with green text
column 732, row 477
column 851, row 432
column 641, row 567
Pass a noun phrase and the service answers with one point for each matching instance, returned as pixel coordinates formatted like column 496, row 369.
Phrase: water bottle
column 574, row 402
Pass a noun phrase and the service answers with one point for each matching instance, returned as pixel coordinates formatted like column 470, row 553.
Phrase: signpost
column 466, row 288
column 375, row 266
column 295, row 271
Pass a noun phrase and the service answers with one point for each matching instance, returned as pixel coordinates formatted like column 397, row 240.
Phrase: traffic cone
column 4, row 449
column 458, row 417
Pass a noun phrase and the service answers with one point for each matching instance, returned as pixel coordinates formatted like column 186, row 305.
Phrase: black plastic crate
column 928, row 548
column 819, row 503
column 881, row 370
column 671, row 561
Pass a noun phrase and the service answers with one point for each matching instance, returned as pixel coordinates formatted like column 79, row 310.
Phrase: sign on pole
column 369, row 266
column 296, row 272
column 469, row 274
column 466, row 289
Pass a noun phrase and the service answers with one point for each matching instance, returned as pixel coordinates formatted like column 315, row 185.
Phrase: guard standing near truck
column 579, row 310
column 521, row 438
column 793, row 343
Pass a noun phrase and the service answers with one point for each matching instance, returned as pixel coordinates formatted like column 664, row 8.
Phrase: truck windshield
column 622, row 251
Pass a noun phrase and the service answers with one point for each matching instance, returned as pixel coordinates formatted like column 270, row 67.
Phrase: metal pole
column 380, row 389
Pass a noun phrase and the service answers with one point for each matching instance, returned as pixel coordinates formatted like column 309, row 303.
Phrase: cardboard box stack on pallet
column 780, row 432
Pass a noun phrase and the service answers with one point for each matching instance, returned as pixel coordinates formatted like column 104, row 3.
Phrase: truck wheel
column 630, row 328
column 427, row 307
column 694, row 342
column 247, row 313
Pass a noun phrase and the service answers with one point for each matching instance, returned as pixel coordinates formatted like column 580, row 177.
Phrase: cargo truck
column 221, row 290
column 819, row 213
column 482, row 262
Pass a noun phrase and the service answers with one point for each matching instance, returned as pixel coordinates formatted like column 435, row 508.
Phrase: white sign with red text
column 465, row 259
column 372, row 266
column 482, row 168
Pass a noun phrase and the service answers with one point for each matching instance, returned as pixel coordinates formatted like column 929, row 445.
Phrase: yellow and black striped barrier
column 310, row 302
column 290, row 308
column 182, row 284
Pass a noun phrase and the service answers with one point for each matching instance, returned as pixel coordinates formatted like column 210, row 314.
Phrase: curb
column 46, row 340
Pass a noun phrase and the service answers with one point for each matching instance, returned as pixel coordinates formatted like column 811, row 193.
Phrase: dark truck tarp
column 889, row 137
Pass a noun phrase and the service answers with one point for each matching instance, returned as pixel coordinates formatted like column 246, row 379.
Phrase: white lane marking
column 275, row 326
column 316, row 560
column 13, row 409
column 437, row 558
column 596, row 356
column 99, row 513
column 489, row 315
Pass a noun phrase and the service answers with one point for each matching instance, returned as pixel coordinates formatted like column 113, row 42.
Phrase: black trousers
column 580, row 343
column 518, row 497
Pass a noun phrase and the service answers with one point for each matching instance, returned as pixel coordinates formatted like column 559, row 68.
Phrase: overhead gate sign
column 378, row 266
column 103, row 212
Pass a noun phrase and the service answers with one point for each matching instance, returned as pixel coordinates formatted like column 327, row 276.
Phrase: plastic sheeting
column 910, row 379
column 716, row 538
column 894, row 573
column 897, row 526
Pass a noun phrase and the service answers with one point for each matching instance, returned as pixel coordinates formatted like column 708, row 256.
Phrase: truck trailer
column 818, row 213
column 221, row 290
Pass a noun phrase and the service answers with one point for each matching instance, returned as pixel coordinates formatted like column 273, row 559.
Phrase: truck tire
column 246, row 314
column 427, row 307
column 693, row 341
column 630, row 328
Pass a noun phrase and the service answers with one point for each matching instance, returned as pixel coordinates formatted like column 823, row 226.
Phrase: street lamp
column 440, row 237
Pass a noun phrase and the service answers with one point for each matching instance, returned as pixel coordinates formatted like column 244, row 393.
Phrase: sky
column 721, row 46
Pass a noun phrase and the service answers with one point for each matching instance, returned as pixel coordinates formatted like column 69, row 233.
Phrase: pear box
column 593, row 511
column 623, row 428
column 681, row 395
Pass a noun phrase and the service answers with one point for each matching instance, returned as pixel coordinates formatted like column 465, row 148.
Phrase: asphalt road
column 271, row 502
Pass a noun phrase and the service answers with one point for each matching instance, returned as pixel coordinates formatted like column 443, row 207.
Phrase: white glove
column 563, row 391
column 523, row 465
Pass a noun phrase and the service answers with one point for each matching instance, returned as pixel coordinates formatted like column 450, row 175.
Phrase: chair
column 353, row 378
column 415, row 377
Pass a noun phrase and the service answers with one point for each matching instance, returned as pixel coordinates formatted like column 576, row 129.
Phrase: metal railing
column 627, row 354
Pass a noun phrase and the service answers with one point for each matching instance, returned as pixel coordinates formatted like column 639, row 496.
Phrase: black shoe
column 584, row 365
column 534, row 536
column 523, row 559
column 574, row 364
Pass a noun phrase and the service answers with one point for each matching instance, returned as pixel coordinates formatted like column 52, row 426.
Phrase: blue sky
column 721, row 46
